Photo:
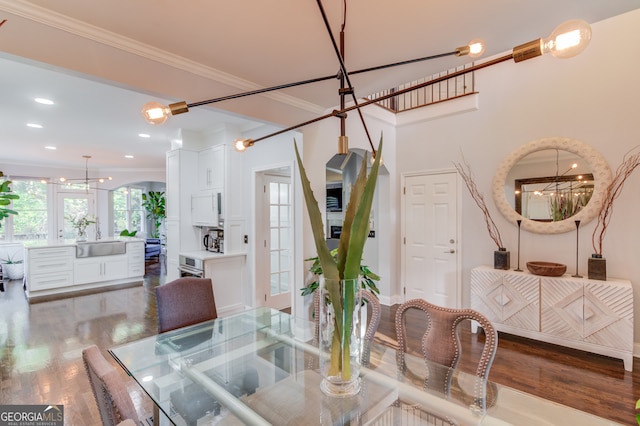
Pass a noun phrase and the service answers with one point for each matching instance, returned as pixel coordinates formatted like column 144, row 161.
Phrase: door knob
column 450, row 251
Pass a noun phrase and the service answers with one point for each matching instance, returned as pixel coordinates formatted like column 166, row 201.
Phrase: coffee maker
column 213, row 240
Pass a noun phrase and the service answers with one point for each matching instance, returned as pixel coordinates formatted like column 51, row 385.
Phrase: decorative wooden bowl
column 546, row 269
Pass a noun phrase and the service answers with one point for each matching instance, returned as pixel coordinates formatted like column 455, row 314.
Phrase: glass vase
column 502, row 259
column 82, row 235
column 340, row 337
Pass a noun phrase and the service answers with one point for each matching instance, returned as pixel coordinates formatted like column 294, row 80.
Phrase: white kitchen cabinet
column 135, row 259
column 590, row 315
column 100, row 268
column 227, row 277
column 211, row 168
column 181, row 184
column 49, row 267
column 204, row 209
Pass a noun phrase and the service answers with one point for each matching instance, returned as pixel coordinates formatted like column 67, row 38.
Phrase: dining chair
column 440, row 344
column 184, row 301
column 373, row 320
column 109, row 389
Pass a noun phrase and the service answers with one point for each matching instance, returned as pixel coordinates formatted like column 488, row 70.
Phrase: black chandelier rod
column 344, row 74
column 314, row 80
column 338, row 113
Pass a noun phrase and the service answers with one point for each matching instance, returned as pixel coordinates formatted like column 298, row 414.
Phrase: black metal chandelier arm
column 343, row 69
column 342, row 112
column 428, row 83
column 409, row 61
column 315, row 80
column 334, row 113
column 263, row 90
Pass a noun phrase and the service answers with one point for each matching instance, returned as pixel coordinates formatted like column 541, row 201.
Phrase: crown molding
column 82, row 29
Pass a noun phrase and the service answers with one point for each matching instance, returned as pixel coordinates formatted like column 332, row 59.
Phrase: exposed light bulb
column 474, row 49
column 568, row 39
column 241, row 145
column 155, row 112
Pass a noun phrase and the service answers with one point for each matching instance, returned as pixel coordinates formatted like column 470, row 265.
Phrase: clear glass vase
column 82, row 235
column 340, row 337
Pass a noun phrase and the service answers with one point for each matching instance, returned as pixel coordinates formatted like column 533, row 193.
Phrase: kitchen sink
column 98, row 248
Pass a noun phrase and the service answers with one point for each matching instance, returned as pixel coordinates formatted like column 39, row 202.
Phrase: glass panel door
column 71, row 205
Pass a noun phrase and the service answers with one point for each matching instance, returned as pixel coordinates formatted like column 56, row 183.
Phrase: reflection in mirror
column 342, row 171
column 550, row 185
column 560, row 154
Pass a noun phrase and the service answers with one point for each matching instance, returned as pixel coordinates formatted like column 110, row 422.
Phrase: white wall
column 592, row 97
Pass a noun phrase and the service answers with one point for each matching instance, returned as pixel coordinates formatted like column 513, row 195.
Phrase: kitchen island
column 71, row 266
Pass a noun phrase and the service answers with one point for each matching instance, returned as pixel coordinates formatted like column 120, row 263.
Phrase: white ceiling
column 101, row 61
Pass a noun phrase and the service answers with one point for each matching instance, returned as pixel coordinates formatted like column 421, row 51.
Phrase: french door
column 275, row 274
column 73, row 205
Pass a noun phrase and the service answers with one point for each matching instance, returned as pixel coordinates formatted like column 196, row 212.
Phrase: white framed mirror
column 561, row 153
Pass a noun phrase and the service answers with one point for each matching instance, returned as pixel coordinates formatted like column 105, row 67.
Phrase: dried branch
column 629, row 163
column 478, row 197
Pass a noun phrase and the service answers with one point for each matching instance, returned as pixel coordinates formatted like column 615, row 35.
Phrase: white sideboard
column 590, row 315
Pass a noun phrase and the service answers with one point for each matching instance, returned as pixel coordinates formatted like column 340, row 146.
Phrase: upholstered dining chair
column 373, row 320
column 180, row 303
column 109, row 389
column 440, row 344
column 184, row 301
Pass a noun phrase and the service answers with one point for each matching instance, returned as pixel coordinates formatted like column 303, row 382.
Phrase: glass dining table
column 260, row 367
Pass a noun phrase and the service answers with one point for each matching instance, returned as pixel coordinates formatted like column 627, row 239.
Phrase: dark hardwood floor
column 41, row 345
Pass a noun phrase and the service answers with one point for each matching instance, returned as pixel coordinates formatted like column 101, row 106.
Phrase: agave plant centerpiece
column 340, row 275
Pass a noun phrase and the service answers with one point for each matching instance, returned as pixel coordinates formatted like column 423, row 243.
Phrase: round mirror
column 550, row 183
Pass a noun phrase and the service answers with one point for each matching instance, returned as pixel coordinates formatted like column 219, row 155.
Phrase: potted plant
column 6, row 197
column 154, row 204
column 368, row 276
column 12, row 267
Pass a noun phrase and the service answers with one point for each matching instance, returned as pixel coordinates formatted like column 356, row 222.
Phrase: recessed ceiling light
column 44, row 101
column 144, row 135
column 128, row 156
column 34, row 125
column 50, row 147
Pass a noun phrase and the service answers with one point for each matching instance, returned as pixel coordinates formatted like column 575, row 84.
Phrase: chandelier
column 567, row 40
column 80, row 183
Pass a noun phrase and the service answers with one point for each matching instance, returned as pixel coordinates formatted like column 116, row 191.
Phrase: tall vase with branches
column 630, row 161
column 501, row 257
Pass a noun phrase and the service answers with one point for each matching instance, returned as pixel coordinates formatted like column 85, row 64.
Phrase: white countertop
column 208, row 255
column 73, row 242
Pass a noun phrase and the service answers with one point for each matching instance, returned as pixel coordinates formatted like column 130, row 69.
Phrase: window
column 127, row 210
column 32, row 221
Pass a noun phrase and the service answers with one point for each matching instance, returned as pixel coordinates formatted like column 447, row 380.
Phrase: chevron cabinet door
column 608, row 314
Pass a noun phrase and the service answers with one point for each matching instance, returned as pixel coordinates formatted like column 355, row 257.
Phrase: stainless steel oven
column 191, row 267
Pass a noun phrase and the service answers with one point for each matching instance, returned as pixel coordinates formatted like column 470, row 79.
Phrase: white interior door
column 430, row 233
column 274, row 275
column 72, row 205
